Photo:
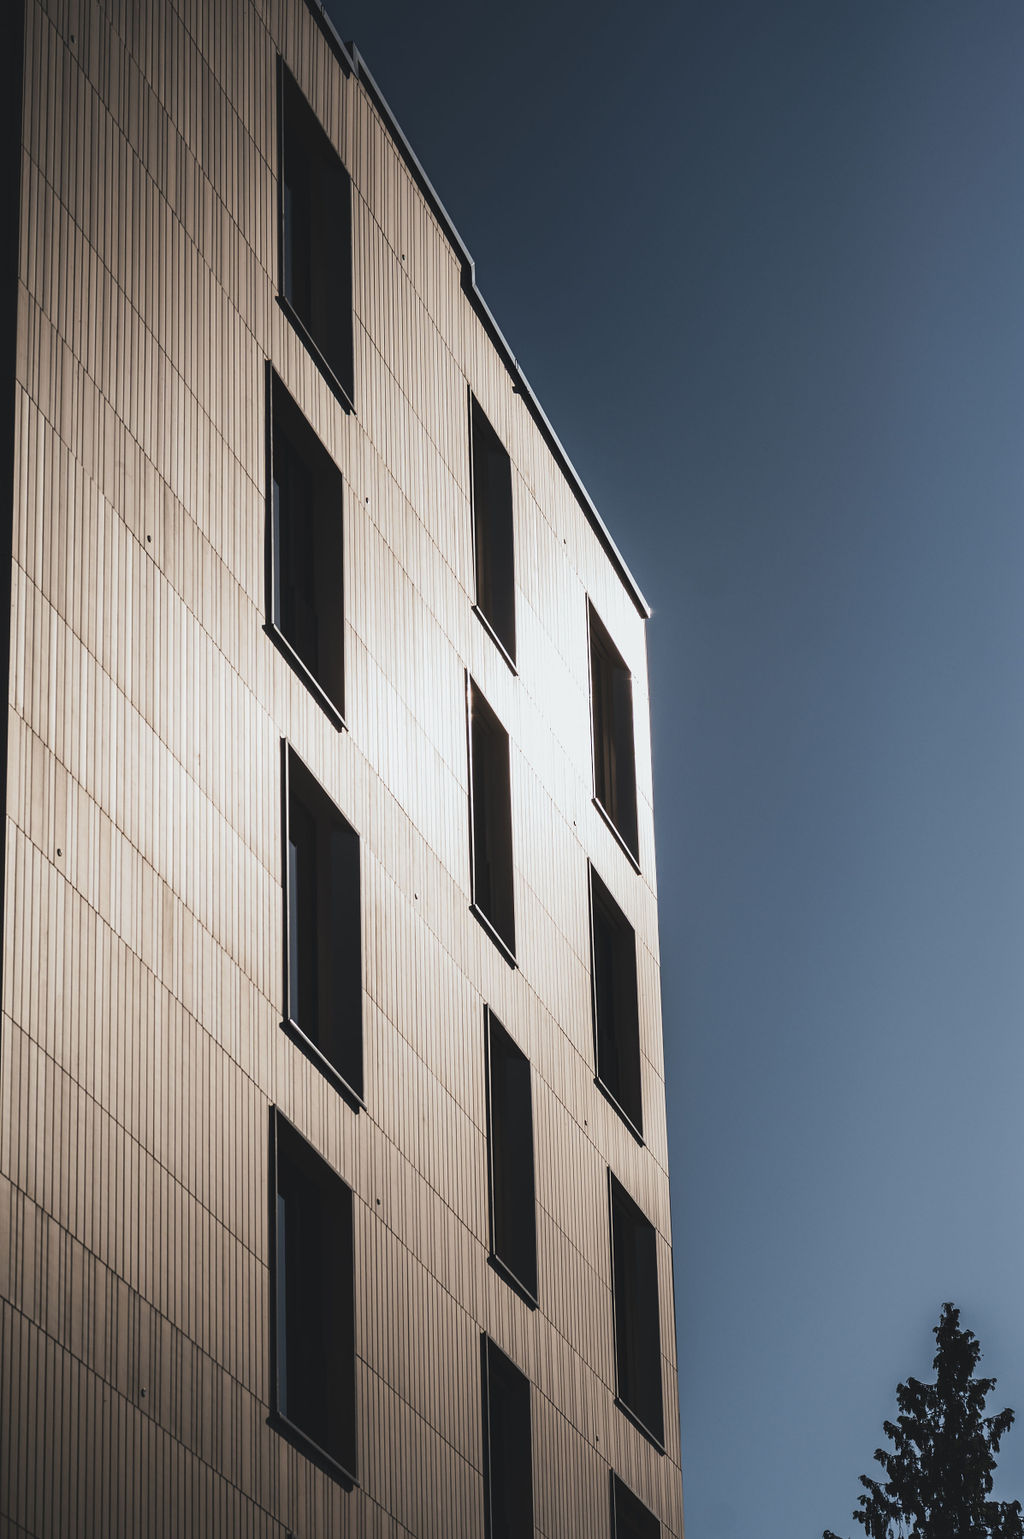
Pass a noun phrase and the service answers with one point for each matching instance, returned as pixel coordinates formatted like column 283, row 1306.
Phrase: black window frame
column 322, row 1324
column 493, row 532
column 613, row 737
column 304, row 149
column 295, row 450
column 636, row 1314
column 339, row 1052
column 630, row 1519
column 490, row 821
column 615, row 1006
column 499, row 1374
column 511, row 1185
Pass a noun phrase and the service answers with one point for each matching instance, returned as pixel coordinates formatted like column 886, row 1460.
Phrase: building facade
column 333, row 1169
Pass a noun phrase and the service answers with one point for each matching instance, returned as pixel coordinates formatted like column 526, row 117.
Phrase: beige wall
column 141, row 1046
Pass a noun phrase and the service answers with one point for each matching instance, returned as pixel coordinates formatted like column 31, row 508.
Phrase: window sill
column 630, row 1415
column 316, row 689
column 308, row 341
column 312, row 1450
column 324, row 1064
column 502, row 944
column 509, row 1277
column 620, row 838
column 609, row 1096
column 502, row 648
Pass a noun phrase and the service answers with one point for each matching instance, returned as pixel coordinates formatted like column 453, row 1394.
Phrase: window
column 635, row 1296
column 323, row 973
column 490, row 822
column 492, row 529
column 306, row 567
column 312, row 1310
column 611, row 699
column 616, row 1015
column 510, row 1158
column 630, row 1518
column 315, row 212
column 508, row 1467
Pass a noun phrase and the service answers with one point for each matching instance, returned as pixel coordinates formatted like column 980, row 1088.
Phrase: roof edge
column 352, row 61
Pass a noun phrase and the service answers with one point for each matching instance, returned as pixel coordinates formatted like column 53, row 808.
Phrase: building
column 333, row 1173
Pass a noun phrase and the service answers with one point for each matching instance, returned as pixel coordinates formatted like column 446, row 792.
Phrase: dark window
column 306, row 566
column 490, row 820
column 492, row 527
column 611, row 698
column 616, row 1017
column 316, row 235
column 510, row 1150
column 323, row 974
column 312, row 1298
column 508, row 1469
column 637, row 1331
column 630, row 1518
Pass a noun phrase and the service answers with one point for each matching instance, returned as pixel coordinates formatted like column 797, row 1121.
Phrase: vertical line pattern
column 140, row 1044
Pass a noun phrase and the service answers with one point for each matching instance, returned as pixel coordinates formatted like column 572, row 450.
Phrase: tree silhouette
column 944, row 1447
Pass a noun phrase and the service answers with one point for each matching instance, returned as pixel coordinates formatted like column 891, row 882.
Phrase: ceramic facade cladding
column 142, row 986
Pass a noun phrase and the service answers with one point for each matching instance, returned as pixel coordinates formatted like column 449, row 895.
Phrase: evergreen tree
column 939, row 1474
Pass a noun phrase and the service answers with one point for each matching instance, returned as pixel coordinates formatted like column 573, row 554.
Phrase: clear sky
column 763, row 263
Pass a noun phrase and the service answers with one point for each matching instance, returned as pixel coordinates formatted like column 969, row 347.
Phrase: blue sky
column 763, row 263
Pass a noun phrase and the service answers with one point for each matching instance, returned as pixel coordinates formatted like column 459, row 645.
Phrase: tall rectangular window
column 323, row 944
column 616, row 1012
column 315, row 212
column 630, row 1518
column 611, row 700
column 306, row 573
column 492, row 528
column 510, row 1159
column 490, row 821
column 313, row 1308
column 636, row 1311
column 508, row 1464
